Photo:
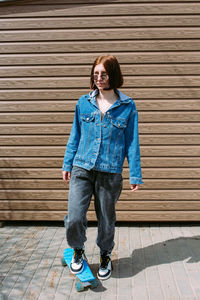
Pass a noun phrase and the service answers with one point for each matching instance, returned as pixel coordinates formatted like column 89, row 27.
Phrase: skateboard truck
column 85, row 278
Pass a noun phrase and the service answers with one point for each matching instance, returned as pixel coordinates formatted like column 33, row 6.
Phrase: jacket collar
column 122, row 97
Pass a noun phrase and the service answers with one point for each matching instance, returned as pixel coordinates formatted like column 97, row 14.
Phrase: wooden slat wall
column 46, row 52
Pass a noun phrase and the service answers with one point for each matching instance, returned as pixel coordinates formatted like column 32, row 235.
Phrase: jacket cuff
column 66, row 168
column 136, row 180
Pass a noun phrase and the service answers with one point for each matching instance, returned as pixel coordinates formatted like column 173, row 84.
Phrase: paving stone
column 3, row 296
column 55, row 272
column 139, row 280
column 151, row 261
column 30, row 266
column 180, row 254
column 139, row 292
column 60, row 296
column 15, row 264
column 164, row 269
column 44, row 264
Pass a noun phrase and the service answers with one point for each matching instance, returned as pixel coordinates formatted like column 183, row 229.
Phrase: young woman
column 104, row 132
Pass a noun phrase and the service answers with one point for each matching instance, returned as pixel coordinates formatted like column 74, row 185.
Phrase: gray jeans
column 106, row 188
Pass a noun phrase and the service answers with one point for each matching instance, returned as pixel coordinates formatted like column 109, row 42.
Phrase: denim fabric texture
column 102, row 145
column 106, row 188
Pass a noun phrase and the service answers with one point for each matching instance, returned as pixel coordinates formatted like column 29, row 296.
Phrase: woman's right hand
column 66, row 176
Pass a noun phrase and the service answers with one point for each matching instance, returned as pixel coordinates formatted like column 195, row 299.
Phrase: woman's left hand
column 134, row 187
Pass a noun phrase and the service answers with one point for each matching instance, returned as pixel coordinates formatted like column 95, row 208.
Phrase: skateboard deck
column 85, row 278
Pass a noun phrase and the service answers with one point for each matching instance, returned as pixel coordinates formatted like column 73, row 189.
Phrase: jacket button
column 108, row 113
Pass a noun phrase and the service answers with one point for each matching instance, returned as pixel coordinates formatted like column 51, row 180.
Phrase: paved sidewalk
column 151, row 261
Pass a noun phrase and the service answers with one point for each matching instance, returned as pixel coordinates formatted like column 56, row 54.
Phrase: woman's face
column 100, row 77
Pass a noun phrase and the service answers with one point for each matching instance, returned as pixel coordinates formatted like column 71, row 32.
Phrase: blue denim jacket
column 103, row 144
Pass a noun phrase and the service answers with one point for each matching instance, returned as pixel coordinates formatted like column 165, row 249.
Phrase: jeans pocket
column 76, row 171
column 117, row 177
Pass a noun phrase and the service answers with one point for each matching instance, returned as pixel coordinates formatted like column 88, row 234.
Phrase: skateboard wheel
column 63, row 262
column 79, row 287
column 94, row 284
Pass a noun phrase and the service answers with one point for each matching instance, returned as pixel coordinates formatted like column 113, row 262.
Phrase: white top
column 104, row 105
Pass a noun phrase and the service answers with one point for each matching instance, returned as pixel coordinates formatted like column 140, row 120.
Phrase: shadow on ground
column 179, row 249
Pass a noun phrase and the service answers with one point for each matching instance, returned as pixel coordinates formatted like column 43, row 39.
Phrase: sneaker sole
column 77, row 272
column 105, row 277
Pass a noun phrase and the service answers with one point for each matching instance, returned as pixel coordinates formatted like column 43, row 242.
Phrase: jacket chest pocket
column 87, row 118
column 119, row 123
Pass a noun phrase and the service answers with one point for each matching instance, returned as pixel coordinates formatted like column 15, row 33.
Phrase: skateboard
column 85, row 278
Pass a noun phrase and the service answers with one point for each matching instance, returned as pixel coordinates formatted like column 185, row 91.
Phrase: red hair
column 112, row 68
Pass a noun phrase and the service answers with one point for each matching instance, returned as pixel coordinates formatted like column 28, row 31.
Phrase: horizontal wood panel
column 32, row 140
column 50, row 184
column 101, row 34
column 41, row 2
column 149, row 173
column 78, row 70
column 62, row 140
column 126, row 194
column 73, row 94
column 47, row 2
column 170, row 150
column 88, row 58
column 67, row 117
column 94, row 46
column 52, row 215
column 56, row 162
column 36, row 2
column 100, row 9
column 38, row 117
column 174, row 162
column 34, row 162
column 35, row 129
column 150, row 128
column 168, row 105
column 169, row 128
column 35, row 106
column 81, row 82
column 141, row 205
column 67, row 106
column 99, row 22
column 47, row 151
column 170, row 139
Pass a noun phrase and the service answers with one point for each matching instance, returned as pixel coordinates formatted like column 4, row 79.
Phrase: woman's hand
column 134, row 187
column 66, row 176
